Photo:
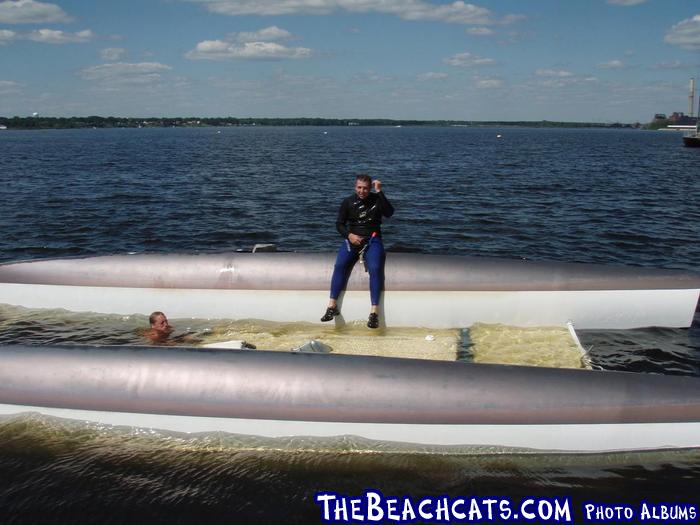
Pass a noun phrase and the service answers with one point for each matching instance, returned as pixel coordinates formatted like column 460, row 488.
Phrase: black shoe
column 373, row 321
column 331, row 312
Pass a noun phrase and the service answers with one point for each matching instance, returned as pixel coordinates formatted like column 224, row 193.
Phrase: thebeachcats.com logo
column 375, row 507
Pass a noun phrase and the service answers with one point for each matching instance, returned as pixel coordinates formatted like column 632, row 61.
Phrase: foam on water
column 540, row 346
column 482, row 343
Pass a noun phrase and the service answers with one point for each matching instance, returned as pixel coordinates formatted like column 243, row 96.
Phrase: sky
column 568, row 60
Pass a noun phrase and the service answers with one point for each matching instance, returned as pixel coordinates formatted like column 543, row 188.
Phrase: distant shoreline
column 194, row 122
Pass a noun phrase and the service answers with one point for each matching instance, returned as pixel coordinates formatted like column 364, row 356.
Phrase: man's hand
column 355, row 239
column 377, row 185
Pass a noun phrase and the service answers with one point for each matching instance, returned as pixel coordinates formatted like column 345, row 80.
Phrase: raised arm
column 387, row 208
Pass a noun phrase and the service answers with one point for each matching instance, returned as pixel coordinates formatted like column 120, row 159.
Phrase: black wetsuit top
column 363, row 217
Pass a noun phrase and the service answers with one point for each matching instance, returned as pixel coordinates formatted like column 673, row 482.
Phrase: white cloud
column 557, row 73
column 685, row 33
column 489, row 83
column 480, row 31
column 626, row 2
column 47, row 36
column 7, row 36
column 52, row 36
column 31, row 12
column 432, row 76
column 125, row 73
column 468, row 60
column 221, row 50
column 112, row 53
column 268, row 34
column 564, row 82
column 8, row 87
column 673, row 64
column 518, row 37
column 512, row 19
column 457, row 12
column 370, row 77
column 612, row 64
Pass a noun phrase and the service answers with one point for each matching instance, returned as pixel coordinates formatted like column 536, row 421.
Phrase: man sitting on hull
column 359, row 223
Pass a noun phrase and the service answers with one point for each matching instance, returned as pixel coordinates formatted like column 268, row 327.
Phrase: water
column 603, row 196
column 627, row 197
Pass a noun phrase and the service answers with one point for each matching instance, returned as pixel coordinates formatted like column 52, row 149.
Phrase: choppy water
column 609, row 196
column 58, row 472
column 604, row 196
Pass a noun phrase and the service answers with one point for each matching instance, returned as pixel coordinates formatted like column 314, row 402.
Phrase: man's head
column 363, row 183
column 159, row 323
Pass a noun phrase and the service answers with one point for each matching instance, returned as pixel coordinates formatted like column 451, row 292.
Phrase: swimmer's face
column 362, row 188
column 161, row 325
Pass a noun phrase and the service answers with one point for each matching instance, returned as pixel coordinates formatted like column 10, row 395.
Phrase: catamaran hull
column 396, row 400
column 445, row 309
column 420, row 290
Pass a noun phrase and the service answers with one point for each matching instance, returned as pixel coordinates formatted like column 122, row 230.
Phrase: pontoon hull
column 420, row 290
column 284, row 394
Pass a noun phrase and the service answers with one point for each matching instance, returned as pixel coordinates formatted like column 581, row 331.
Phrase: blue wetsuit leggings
column 346, row 259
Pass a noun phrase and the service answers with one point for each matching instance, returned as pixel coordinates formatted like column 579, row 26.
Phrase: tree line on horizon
column 39, row 122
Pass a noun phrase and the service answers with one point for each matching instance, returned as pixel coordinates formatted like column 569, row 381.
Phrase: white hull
column 426, row 403
column 420, row 291
column 441, row 309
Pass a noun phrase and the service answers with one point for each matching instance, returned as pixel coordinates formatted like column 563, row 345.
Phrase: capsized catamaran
column 282, row 394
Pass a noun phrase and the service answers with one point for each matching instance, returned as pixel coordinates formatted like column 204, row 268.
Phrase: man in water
column 160, row 328
column 359, row 222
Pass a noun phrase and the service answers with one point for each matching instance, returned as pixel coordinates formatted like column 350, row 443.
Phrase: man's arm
column 387, row 208
column 341, row 221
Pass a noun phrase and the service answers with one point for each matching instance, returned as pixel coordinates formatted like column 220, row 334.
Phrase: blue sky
column 584, row 60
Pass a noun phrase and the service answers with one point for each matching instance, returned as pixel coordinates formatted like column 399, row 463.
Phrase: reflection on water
column 64, row 470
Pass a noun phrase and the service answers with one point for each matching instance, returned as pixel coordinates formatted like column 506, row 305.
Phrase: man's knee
column 375, row 267
column 343, row 264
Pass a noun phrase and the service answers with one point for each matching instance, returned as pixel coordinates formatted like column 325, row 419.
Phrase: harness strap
column 363, row 249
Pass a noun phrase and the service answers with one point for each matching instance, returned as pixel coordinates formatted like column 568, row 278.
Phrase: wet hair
column 364, row 178
column 152, row 318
